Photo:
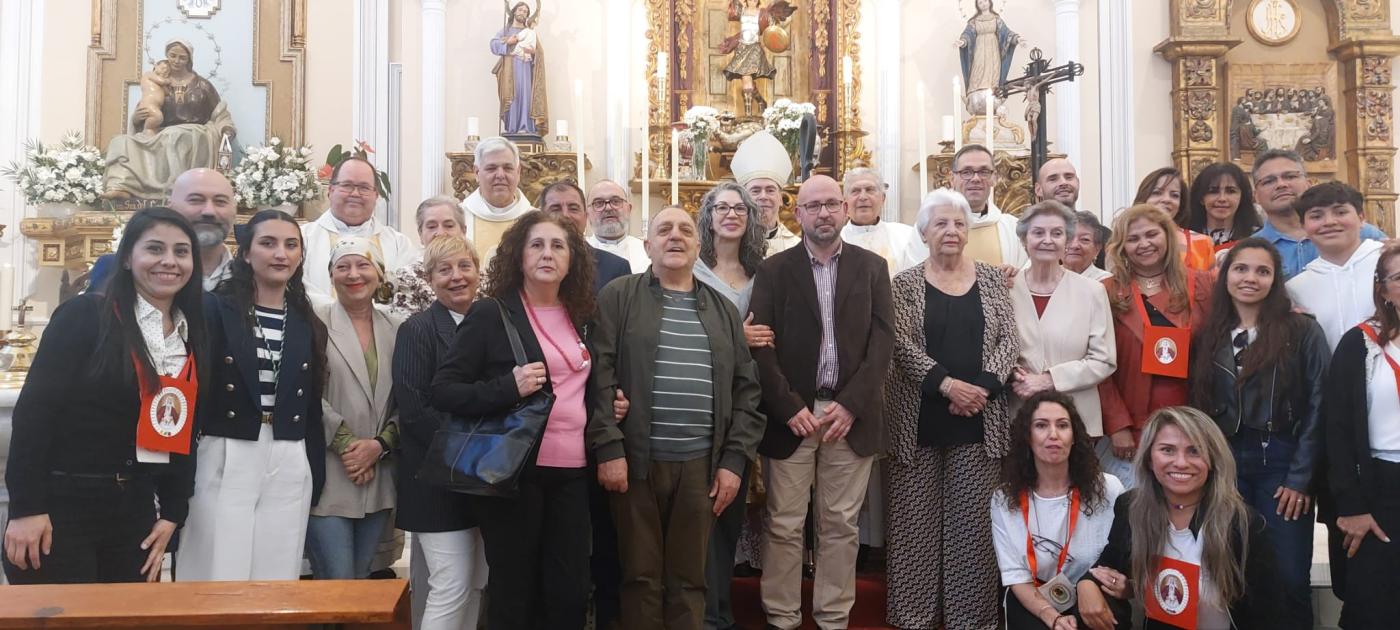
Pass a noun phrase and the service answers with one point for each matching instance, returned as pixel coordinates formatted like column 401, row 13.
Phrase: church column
column 369, row 86
column 623, row 133
column 1198, row 113
column 889, row 87
column 434, row 16
column 1116, row 164
column 1067, row 110
column 21, row 63
column 1369, row 116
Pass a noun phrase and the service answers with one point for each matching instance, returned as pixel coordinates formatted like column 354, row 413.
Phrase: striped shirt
column 270, row 321
column 682, row 390
column 824, row 274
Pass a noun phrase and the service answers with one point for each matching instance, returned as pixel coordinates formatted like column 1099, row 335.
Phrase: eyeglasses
column 362, row 189
column 816, row 207
column 968, row 174
column 738, row 209
column 615, row 202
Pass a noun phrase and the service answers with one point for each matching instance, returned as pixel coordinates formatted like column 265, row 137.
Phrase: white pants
column 248, row 514
column 456, row 575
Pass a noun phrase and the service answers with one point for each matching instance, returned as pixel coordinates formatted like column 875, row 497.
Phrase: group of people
column 1040, row 419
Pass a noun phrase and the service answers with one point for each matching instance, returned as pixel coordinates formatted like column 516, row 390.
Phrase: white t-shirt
column 1184, row 546
column 1049, row 520
column 1383, row 427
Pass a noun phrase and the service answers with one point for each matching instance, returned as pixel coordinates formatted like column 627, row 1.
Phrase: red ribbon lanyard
column 1190, row 298
column 1394, row 367
column 1064, row 549
column 165, row 421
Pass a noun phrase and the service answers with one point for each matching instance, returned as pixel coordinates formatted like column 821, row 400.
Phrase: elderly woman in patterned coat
column 955, row 347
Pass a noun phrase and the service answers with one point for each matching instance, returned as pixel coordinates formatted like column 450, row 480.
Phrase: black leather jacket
column 1289, row 409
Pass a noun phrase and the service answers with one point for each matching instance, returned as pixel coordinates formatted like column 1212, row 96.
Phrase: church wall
column 1152, row 102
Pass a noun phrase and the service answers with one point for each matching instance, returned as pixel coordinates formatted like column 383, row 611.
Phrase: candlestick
column 957, row 112
column 675, row 167
column 991, row 143
column 923, row 144
column 646, row 176
column 473, row 127
column 663, row 72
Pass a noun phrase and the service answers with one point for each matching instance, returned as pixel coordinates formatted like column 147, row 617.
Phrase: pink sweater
column 562, row 444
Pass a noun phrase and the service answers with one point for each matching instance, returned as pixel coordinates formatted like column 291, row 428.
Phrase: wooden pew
column 358, row 604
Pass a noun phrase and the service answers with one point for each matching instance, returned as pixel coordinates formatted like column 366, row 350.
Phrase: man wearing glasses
column 497, row 201
column 1279, row 179
column 609, row 210
column 832, row 317
column 992, row 237
column 897, row 243
column 353, row 196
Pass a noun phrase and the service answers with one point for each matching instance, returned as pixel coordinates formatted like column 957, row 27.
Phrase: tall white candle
column 646, row 177
column 957, row 112
column 473, row 126
column 948, row 128
column 663, row 72
column 578, row 130
column 923, row 144
column 847, row 76
column 991, row 143
column 561, row 128
column 7, row 296
column 675, row 167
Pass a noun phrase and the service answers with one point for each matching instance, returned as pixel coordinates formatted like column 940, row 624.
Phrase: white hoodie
column 1012, row 253
column 1339, row 296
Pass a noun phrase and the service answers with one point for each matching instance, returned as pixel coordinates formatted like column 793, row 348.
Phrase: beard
column 210, row 234
column 611, row 230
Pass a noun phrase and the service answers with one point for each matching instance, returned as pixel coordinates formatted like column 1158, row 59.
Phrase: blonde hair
column 1221, row 513
column 445, row 247
column 1122, row 268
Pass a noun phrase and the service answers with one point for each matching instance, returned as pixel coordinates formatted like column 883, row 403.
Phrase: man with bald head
column 1058, row 180
column 609, row 210
column 673, row 464
column 205, row 197
column 832, row 317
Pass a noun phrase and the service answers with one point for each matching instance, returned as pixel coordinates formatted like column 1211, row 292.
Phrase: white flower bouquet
column 273, row 175
column 702, row 121
column 70, row 172
column 784, row 120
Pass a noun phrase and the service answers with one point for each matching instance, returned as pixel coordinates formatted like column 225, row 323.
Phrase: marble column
column 1068, row 127
column 1115, row 121
column 433, row 77
column 889, row 94
column 369, row 85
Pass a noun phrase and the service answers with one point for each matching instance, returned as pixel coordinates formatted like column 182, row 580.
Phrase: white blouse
column 1049, row 520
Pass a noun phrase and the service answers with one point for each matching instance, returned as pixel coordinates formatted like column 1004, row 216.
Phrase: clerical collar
column 773, row 233
column 865, row 228
column 342, row 228
column 610, row 241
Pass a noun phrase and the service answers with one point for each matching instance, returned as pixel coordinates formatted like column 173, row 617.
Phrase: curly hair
column 752, row 245
column 504, row 275
column 1018, row 472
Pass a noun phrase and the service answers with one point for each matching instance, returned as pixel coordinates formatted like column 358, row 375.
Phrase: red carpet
column 868, row 613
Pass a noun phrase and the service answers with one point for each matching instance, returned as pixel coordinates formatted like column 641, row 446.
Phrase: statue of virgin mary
column 985, row 48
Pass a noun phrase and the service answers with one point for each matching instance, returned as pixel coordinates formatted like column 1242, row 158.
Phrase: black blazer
column 1261, row 606
column 608, row 267
column 1351, row 472
column 477, row 376
column 785, row 298
column 234, row 407
column 423, row 341
column 70, row 420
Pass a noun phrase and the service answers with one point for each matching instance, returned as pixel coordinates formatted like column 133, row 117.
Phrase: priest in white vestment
column 992, row 236
column 352, row 199
column 497, row 201
column 899, row 244
column 609, row 209
column 762, row 166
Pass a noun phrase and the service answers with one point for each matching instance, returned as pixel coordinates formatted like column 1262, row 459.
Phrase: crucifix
column 1034, row 84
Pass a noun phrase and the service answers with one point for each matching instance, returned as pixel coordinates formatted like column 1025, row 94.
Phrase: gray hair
column 752, row 245
column 1101, row 231
column 1049, row 207
column 1276, row 154
column 492, row 145
column 859, row 172
column 938, row 199
column 626, row 194
column 440, row 200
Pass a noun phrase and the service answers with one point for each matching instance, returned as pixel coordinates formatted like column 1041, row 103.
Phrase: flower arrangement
column 361, row 150
column 273, row 175
column 784, row 120
column 702, row 121
column 70, row 172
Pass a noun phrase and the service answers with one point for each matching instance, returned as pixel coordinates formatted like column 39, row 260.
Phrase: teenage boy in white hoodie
column 1336, row 286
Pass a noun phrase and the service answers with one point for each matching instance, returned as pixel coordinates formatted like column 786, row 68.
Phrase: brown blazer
column 785, row 298
column 1125, row 394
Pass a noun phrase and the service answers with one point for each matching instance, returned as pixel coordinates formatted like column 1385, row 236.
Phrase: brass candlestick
column 18, row 353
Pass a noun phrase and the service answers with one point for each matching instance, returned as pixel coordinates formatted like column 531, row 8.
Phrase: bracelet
column 1042, row 609
column 946, row 385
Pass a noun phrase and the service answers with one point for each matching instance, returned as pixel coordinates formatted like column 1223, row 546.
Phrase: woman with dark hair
column 260, row 454
column 1185, row 541
column 1166, row 189
column 1363, row 453
column 1222, row 205
column 1258, row 372
column 98, row 438
column 1053, row 499
column 537, row 543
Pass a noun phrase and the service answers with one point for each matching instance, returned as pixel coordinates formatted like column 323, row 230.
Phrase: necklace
column 1182, row 506
column 274, row 358
column 1150, row 283
column 583, row 350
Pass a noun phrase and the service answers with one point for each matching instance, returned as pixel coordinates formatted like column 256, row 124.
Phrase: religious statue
column 750, row 61
column 985, row 47
column 179, row 124
column 1296, row 119
column 520, row 82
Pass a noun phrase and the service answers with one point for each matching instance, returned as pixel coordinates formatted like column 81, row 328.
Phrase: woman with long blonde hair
column 1156, row 301
column 1185, row 536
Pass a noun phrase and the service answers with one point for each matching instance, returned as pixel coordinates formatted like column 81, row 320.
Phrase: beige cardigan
column 1073, row 342
column 366, row 409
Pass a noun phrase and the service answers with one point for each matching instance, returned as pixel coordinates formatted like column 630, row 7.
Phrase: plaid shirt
column 828, row 370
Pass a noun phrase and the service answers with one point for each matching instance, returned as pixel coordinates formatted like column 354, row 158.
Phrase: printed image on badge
column 169, row 412
column 1165, row 350
column 1059, row 592
column 1171, row 591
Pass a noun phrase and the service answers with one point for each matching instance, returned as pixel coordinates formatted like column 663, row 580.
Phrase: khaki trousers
column 663, row 535
column 840, row 477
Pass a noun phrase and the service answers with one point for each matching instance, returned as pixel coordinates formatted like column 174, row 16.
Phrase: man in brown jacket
column 830, row 309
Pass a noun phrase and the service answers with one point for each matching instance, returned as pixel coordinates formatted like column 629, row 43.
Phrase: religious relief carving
column 1374, row 107
column 1199, row 72
column 1375, row 71
column 1200, row 108
column 1284, row 106
column 1365, row 9
column 1273, row 22
column 1378, row 172
column 1201, row 10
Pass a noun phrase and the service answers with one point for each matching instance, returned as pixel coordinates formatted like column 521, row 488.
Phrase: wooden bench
column 358, row 604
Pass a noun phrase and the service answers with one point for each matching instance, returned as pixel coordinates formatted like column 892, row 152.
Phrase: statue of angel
column 520, row 77
column 750, row 61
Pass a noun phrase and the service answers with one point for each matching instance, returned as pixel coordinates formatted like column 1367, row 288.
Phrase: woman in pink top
column 536, row 543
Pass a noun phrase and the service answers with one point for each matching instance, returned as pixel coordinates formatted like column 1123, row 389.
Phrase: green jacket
column 624, row 347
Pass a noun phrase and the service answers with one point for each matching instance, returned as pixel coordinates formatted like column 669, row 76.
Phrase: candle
column 957, row 112
column 991, row 140
column 578, row 121
column 948, row 128
column 561, row 128
column 846, row 64
column 675, row 167
column 473, row 127
column 663, row 71
column 923, row 144
column 646, row 177
column 7, row 295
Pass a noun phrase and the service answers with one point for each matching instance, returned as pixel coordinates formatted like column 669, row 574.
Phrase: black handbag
column 483, row 456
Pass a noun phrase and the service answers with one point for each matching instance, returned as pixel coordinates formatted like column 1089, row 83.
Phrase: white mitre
column 761, row 156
